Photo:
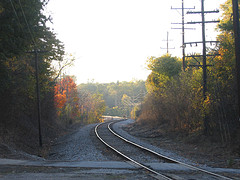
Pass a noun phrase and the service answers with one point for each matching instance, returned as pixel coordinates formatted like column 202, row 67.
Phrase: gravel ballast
column 117, row 127
column 77, row 146
column 80, row 155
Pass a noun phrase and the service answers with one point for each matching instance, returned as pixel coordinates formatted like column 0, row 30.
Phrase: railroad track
column 142, row 156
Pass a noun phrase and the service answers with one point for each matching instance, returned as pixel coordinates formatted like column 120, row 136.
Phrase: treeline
column 87, row 103
column 175, row 100
column 25, row 38
column 77, row 106
column 119, row 97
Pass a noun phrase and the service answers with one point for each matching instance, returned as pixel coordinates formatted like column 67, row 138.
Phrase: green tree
column 113, row 93
column 23, row 30
column 164, row 65
column 174, row 100
column 222, row 89
column 163, row 69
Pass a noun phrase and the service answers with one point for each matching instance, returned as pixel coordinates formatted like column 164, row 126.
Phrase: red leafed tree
column 66, row 100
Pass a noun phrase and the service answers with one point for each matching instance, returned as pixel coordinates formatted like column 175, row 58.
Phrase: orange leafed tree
column 66, row 99
column 60, row 98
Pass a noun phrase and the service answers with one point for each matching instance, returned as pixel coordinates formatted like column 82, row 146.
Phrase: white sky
column 111, row 39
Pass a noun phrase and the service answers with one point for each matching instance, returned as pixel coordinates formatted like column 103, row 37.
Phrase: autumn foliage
column 175, row 102
column 75, row 105
column 18, row 106
column 67, row 100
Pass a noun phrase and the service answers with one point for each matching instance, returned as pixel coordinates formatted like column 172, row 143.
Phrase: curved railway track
column 142, row 156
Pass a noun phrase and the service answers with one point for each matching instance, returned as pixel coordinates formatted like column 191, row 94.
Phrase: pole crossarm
column 178, row 23
column 200, row 42
column 208, row 55
column 200, row 22
column 199, row 12
column 167, row 44
column 167, row 48
column 181, row 8
column 196, row 56
column 183, row 30
column 197, row 65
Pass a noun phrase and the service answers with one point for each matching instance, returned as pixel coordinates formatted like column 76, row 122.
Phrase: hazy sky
column 111, row 39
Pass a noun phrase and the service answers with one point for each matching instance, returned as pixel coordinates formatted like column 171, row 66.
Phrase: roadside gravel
column 80, row 145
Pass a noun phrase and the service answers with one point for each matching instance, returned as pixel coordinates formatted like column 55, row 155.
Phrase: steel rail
column 165, row 157
column 128, row 158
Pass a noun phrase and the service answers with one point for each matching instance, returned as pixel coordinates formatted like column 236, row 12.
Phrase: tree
column 164, row 65
column 67, row 100
column 92, row 106
column 163, row 69
column 174, row 98
column 23, row 31
column 114, row 92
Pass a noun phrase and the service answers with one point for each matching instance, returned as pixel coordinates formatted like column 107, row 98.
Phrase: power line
column 35, row 51
column 31, row 34
column 15, row 12
column 19, row 22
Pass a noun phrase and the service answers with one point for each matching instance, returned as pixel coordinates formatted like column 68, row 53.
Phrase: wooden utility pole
column 204, row 54
column 36, row 52
column 38, row 98
column 167, row 43
column 204, row 51
column 183, row 32
column 205, row 119
column 203, row 42
column 237, row 47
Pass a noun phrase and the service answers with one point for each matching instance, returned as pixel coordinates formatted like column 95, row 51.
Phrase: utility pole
column 203, row 42
column 167, row 43
column 38, row 98
column 237, row 47
column 36, row 52
column 204, row 53
column 183, row 32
